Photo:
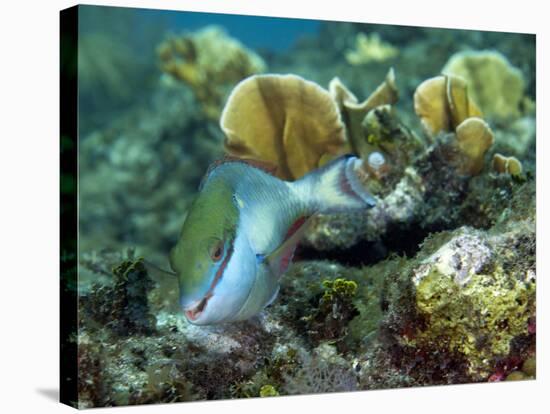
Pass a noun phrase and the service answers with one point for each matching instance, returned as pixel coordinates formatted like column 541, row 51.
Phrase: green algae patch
column 329, row 321
column 268, row 391
column 338, row 289
column 478, row 320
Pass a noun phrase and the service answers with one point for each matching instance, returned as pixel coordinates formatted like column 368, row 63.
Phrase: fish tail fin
column 335, row 187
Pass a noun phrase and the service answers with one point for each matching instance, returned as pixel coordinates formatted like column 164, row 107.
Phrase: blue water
column 277, row 34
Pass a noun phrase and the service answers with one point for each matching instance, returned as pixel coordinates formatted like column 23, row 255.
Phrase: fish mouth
column 195, row 310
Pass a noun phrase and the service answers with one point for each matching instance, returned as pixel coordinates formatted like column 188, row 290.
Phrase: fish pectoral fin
column 279, row 260
column 270, row 301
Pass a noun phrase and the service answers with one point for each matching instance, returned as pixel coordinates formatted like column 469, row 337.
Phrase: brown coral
column 498, row 87
column 473, row 139
column 284, row 121
column 370, row 48
column 210, row 63
column 442, row 103
column 354, row 112
column 507, row 165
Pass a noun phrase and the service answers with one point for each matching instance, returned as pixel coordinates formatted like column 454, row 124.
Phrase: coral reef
column 443, row 105
column 403, row 171
column 210, row 63
column 518, row 139
column 496, row 86
column 155, row 357
column 370, row 48
column 109, row 74
column 461, row 296
column 434, row 285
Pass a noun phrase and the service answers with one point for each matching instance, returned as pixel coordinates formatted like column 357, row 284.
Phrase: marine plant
column 268, row 391
column 334, row 312
column 338, row 289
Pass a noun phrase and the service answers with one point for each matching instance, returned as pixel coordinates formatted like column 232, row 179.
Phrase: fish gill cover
column 433, row 285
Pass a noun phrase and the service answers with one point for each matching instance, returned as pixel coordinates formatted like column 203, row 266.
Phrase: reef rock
column 470, row 302
column 463, row 296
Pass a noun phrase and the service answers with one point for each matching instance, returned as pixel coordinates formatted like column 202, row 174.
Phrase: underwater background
column 435, row 285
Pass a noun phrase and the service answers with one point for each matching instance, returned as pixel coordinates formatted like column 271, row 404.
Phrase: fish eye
column 216, row 250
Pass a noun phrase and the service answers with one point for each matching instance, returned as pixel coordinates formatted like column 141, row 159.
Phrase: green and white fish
column 241, row 232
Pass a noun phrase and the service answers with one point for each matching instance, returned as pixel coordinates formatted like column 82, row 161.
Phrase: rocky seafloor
column 435, row 285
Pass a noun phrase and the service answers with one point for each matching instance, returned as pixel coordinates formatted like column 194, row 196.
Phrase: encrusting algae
column 477, row 314
column 462, row 309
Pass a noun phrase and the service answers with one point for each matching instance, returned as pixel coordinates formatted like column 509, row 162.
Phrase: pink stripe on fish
column 220, row 271
column 287, row 257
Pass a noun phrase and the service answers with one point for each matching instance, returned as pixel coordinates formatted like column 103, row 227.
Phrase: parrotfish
column 241, row 232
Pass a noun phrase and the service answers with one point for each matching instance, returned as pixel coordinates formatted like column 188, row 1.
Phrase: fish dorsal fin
column 279, row 260
column 261, row 165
